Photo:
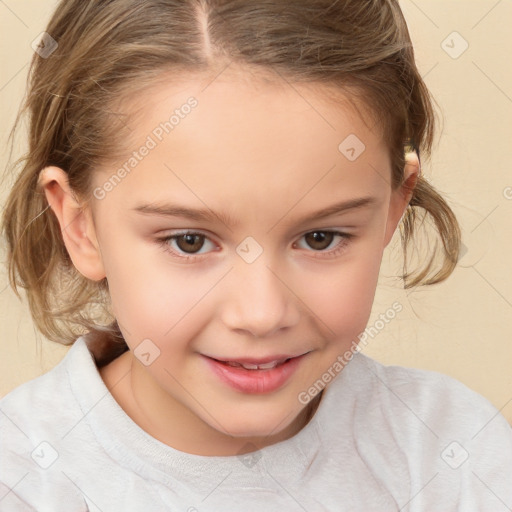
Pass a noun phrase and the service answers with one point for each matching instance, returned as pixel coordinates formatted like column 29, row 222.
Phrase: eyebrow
column 207, row 215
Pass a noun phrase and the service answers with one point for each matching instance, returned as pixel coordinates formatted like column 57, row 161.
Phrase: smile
column 254, row 376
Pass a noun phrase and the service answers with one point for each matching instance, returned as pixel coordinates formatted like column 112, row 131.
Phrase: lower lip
column 254, row 381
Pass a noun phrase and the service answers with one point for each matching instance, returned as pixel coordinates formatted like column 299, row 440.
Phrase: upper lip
column 258, row 361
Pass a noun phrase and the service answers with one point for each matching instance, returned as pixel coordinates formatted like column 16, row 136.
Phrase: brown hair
column 109, row 49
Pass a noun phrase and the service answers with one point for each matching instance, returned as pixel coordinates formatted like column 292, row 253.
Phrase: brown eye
column 325, row 243
column 186, row 244
column 189, row 243
column 319, row 240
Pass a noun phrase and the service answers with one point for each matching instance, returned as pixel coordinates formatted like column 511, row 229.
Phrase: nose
column 258, row 300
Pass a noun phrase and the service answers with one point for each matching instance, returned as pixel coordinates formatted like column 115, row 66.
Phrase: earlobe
column 76, row 223
column 401, row 197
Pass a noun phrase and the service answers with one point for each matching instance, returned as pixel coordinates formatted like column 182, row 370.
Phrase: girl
column 203, row 210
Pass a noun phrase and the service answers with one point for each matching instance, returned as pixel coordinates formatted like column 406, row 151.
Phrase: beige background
column 462, row 327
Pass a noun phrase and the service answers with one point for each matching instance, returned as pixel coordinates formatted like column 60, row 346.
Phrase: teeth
column 249, row 366
column 265, row 366
column 232, row 363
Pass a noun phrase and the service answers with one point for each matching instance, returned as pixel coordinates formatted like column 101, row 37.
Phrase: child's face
column 253, row 287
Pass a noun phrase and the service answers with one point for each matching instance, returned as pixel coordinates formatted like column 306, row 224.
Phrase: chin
column 257, row 425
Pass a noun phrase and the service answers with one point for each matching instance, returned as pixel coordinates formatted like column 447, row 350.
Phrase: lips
column 255, row 375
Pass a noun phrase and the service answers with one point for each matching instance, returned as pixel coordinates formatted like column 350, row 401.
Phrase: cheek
column 342, row 296
column 152, row 299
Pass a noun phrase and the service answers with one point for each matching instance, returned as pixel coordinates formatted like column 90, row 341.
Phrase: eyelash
column 341, row 246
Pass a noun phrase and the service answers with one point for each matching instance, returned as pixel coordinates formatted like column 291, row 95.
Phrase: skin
column 267, row 157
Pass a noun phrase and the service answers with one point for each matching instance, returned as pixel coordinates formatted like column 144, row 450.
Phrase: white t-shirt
column 384, row 438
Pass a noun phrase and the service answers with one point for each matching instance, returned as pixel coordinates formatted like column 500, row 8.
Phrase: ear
column 76, row 223
column 401, row 196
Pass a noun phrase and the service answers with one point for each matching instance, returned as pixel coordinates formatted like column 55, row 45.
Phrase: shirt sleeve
column 459, row 445
column 31, row 478
column 11, row 502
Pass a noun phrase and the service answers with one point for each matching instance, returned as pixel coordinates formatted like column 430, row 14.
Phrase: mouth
column 255, row 364
column 255, row 375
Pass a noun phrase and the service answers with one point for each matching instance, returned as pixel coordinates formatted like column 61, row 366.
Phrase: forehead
column 241, row 99
column 231, row 139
